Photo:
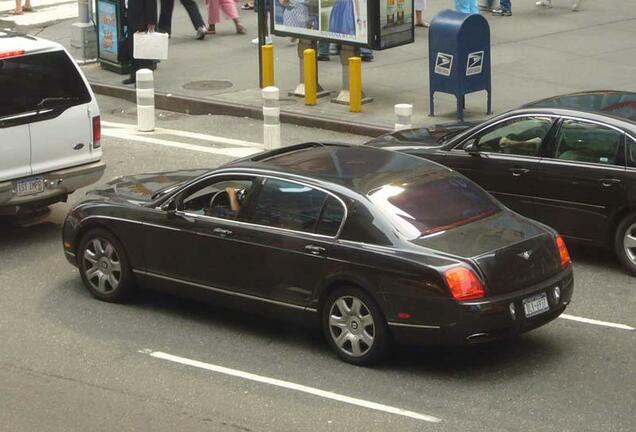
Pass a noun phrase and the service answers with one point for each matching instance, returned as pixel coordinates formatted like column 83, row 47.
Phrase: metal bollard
column 310, row 76
column 403, row 113
column 271, row 118
column 145, row 100
column 355, row 84
column 268, row 65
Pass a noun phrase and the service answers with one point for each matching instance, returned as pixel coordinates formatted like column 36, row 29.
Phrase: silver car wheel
column 102, row 266
column 351, row 326
column 629, row 243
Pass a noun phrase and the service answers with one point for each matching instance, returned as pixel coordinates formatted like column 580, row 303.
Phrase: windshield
column 432, row 203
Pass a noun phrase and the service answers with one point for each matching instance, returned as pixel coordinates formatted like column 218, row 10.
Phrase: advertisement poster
column 338, row 20
column 108, row 35
column 396, row 22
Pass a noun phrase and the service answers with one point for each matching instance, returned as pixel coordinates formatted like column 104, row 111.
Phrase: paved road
column 69, row 362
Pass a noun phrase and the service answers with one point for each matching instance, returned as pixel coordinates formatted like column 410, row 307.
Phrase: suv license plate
column 30, row 186
column 535, row 305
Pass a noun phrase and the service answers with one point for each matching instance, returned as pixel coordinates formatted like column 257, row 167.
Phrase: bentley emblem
column 525, row 254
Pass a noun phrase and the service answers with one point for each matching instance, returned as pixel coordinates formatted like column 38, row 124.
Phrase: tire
column 365, row 338
column 104, row 266
column 625, row 243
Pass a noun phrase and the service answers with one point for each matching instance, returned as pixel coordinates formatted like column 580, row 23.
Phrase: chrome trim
column 129, row 220
column 556, row 161
column 224, row 291
column 265, row 173
column 548, row 199
column 419, row 326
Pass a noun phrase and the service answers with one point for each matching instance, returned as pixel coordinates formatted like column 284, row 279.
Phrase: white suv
column 49, row 124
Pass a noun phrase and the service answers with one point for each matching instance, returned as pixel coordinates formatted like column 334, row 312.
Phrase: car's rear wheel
column 104, row 266
column 625, row 242
column 354, row 326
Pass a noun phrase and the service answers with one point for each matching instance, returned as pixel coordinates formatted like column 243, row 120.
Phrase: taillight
column 97, row 132
column 464, row 284
column 563, row 252
column 8, row 54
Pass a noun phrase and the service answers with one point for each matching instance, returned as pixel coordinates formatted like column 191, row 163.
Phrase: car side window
column 218, row 197
column 589, row 142
column 330, row 218
column 288, row 205
column 631, row 151
column 518, row 136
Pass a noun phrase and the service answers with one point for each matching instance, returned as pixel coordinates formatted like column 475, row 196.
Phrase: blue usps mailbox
column 459, row 57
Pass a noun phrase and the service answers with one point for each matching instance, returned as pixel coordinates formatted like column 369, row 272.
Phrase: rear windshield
column 37, row 80
column 433, row 203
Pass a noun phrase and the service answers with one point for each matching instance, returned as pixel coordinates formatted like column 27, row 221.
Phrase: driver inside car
column 226, row 203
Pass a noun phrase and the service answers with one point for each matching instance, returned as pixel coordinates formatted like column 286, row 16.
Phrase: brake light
column 8, row 54
column 97, row 132
column 464, row 284
column 563, row 252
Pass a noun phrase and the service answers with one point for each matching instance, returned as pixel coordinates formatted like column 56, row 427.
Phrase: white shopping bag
column 150, row 46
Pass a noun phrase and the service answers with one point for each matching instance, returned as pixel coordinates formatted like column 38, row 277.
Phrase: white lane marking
column 186, row 134
column 291, row 386
column 596, row 322
column 234, row 152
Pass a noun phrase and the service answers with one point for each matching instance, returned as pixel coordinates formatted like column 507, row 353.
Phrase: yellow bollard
column 355, row 84
column 268, row 65
column 310, row 76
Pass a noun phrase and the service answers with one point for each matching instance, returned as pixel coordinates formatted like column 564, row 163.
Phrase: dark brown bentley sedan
column 374, row 246
column 572, row 170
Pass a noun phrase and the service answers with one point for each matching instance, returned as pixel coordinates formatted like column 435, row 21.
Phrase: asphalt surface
column 71, row 363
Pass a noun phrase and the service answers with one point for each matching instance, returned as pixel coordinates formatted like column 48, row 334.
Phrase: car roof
column 617, row 103
column 12, row 41
column 358, row 168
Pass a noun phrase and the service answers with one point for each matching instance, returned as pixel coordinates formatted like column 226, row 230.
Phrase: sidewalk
column 535, row 53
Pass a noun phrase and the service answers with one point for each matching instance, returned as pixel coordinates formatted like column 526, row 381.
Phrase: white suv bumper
column 57, row 184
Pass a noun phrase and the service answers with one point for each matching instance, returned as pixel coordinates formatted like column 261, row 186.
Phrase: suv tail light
column 8, row 54
column 563, row 252
column 97, row 132
column 464, row 284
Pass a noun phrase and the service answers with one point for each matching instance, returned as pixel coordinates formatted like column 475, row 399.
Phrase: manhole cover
column 207, row 85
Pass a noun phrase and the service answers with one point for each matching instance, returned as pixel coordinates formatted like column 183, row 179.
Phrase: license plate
column 30, row 186
column 535, row 305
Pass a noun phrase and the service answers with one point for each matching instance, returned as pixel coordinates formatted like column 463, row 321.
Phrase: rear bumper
column 491, row 319
column 57, row 184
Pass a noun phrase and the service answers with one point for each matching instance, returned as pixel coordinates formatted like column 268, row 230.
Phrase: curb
column 199, row 106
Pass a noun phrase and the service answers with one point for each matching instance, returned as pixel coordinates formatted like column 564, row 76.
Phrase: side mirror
column 471, row 147
column 170, row 208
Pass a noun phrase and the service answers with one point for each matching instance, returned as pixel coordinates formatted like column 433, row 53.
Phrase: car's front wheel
column 625, row 242
column 104, row 266
column 354, row 326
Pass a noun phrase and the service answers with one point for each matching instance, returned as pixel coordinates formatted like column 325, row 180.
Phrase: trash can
column 459, row 57
column 111, row 36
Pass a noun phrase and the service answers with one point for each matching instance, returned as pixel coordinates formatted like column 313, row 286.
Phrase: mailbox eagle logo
column 474, row 63
column 443, row 64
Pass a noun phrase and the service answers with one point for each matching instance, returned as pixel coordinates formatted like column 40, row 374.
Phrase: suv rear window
column 28, row 80
column 421, row 206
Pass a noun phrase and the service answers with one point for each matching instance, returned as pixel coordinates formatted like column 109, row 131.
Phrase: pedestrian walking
column 19, row 9
column 548, row 4
column 467, row 6
column 229, row 10
column 141, row 16
column 504, row 9
column 419, row 6
column 165, row 19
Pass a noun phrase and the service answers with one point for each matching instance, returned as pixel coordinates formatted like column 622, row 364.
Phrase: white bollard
column 145, row 100
column 403, row 113
column 271, row 118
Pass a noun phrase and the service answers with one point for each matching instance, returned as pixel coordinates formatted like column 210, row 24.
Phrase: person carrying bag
column 141, row 16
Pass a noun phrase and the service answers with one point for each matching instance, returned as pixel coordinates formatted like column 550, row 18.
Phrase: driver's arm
column 234, row 204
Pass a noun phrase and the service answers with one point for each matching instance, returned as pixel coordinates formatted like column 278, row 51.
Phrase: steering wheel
column 219, row 199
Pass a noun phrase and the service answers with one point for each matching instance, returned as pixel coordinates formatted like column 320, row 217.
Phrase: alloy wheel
column 351, row 326
column 102, row 266
column 629, row 242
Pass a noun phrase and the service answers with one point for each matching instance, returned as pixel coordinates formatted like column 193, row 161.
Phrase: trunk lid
column 511, row 251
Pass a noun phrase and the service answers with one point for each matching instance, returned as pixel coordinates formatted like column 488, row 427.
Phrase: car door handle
column 518, row 172
column 607, row 182
column 315, row 250
column 222, row 232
